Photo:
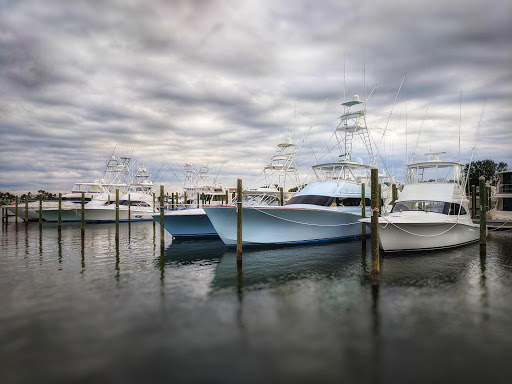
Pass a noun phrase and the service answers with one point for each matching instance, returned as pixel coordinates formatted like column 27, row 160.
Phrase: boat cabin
column 503, row 194
column 434, row 171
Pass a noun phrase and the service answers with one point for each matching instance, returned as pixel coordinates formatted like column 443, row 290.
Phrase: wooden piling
column 172, row 201
column 363, row 211
column 473, row 201
column 185, row 199
column 129, row 209
column 375, row 223
column 26, row 209
column 16, row 210
column 117, row 214
column 239, row 222
column 59, row 220
column 281, row 196
column 82, row 227
column 394, row 193
column 198, row 199
column 41, row 209
column 154, row 202
column 162, row 218
column 227, row 197
column 483, row 203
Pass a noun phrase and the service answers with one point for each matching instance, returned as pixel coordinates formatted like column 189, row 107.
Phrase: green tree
column 485, row 168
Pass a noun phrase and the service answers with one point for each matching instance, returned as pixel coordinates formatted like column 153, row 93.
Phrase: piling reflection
column 190, row 252
column 40, row 245
column 82, row 253
column 59, row 247
column 376, row 347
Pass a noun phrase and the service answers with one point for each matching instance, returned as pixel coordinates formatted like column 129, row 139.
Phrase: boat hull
column 188, row 224
column 108, row 215
column 67, row 215
column 284, row 225
column 398, row 237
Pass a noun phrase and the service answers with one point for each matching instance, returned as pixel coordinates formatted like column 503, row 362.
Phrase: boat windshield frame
column 448, row 172
column 343, row 170
column 443, row 207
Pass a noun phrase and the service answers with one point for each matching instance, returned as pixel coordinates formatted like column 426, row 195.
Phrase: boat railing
column 504, row 188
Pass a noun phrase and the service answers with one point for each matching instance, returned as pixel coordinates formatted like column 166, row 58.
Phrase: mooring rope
column 298, row 222
column 416, row 234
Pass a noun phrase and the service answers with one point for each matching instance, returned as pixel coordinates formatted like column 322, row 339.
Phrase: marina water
column 79, row 309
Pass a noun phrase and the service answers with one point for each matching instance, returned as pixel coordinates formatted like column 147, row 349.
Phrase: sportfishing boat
column 327, row 209
column 192, row 222
column 432, row 212
column 114, row 177
column 135, row 205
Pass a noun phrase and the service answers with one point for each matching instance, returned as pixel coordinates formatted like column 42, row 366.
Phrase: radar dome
column 356, row 98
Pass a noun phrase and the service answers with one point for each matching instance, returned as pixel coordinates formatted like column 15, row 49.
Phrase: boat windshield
column 429, row 206
column 434, row 173
column 324, row 201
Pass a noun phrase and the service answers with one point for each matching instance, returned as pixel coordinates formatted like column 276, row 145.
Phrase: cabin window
column 324, row 201
column 429, row 206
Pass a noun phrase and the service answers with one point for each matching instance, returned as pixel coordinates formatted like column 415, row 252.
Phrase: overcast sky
column 223, row 81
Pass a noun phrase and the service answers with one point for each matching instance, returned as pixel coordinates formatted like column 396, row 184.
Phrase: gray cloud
column 216, row 81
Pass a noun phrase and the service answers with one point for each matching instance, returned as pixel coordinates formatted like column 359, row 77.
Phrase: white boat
column 325, row 210
column 502, row 213
column 192, row 222
column 133, row 206
column 432, row 212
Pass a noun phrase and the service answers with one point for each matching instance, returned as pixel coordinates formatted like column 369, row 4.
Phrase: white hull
column 108, row 214
column 400, row 234
column 67, row 215
column 188, row 223
column 285, row 225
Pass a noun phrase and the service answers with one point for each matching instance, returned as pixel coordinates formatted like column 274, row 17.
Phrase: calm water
column 84, row 311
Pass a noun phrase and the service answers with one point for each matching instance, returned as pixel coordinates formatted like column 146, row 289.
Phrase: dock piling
column 117, row 215
column 40, row 209
column 59, row 220
column 162, row 219
column 483, row 203
column 375, row 223
column 26, row 210
column 281, row 196
column 82, row 227
column 239, row 247
column 16, row 211
column 363, row 211
column 394, row 193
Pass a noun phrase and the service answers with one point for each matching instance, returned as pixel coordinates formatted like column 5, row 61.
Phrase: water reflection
column 190, row 252
column 271, row 267
column 40, row 244
column 59, row 247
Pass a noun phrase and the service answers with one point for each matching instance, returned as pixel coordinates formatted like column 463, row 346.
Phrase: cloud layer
column 222, row 81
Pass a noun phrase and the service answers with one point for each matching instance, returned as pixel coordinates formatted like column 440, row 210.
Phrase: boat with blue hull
column 188, row 224
column 327, row 209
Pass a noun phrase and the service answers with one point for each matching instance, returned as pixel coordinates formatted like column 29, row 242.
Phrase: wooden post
column 154, row 202
column 162, row 218
column 40, row 209
column 26, row 209
column 185, row 199
column 82, row 227
column 394, row 193
column 117, row 214
column 281, row 196
column 363, row 211
column 172, row 201
column 375, row 223
column 16, row 210
column 198, row 199
column 239, row 222
column 227, row 197
column 473, row 201
column 129, row 209
column 59, row 220
column 483, row 203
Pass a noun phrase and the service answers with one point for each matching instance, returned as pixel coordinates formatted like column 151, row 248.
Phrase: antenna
column 474, row 146
column 419, row 133
column 364, row 72
column 460, row 118
column 344, row 80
